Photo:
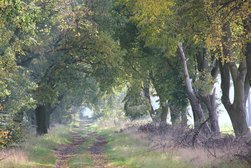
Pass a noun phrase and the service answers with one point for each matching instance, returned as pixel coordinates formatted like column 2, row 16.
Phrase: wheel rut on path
column 65, row 152
column 97, row 153
column 95, row 150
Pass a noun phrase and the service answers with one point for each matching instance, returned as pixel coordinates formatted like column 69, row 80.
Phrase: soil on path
column 96, row 150
column 65, row 152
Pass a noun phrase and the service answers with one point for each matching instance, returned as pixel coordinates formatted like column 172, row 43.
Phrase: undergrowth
column 37, row 151
column 124, row 150
column 127, row 149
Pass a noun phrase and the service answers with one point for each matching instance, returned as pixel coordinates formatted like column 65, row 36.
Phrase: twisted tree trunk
column 208, row 99
column 199, row 117
column 210, row 102
column 237, row 109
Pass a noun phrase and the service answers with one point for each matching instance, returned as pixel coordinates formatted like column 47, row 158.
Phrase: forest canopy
column 116, row 55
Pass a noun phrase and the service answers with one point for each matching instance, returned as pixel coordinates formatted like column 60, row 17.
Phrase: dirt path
column 95, row 150
column 97, row 155
column 65, row 152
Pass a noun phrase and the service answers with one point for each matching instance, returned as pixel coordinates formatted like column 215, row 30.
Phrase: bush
column 12, row 133
column 136, row 112
column 5, row 137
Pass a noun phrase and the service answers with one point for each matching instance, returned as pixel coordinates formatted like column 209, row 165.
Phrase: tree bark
column 210, row 102
column 47, row 119
column 175, row 115
column 237, row 109
column 209, row 99
column 249, row 109
column 248, row 80
column 42, row 120
column 163, row 105
column 184, row 119
column 247, row 29
column 164, row 113
column 148, row 98
column 248, row 65
column 199, row 117
column 239, row 106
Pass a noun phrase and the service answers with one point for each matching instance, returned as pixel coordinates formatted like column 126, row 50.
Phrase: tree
column 17, row 27
column 194, row 101
column 70, row 49
column 159, row 26
column 145, row 64
column 230, row 25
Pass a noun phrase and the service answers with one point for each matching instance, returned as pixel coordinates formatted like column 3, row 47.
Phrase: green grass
column 39, row 151
column 227, row 129
column 123, row 149
column 82, row 158
column 127, row 151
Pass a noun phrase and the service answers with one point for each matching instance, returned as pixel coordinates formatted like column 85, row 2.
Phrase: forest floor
column 85, row 150
column 88, row 145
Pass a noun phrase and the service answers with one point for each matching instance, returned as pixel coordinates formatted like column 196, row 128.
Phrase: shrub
column 12, row 133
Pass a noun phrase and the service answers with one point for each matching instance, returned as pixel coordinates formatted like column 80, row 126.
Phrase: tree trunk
column 148, row 98
column 164, row 113
column 199, row 117
column 248, row 81
column 163, row 105
column 184, row 119
column 210, row 102
column 249, row 109
column 47, row 119
column 247, row 29
column 237, row 109
column 248, row 75
column 209, row 99
column 239, row 106
column 42, row 120
column 175, row 115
